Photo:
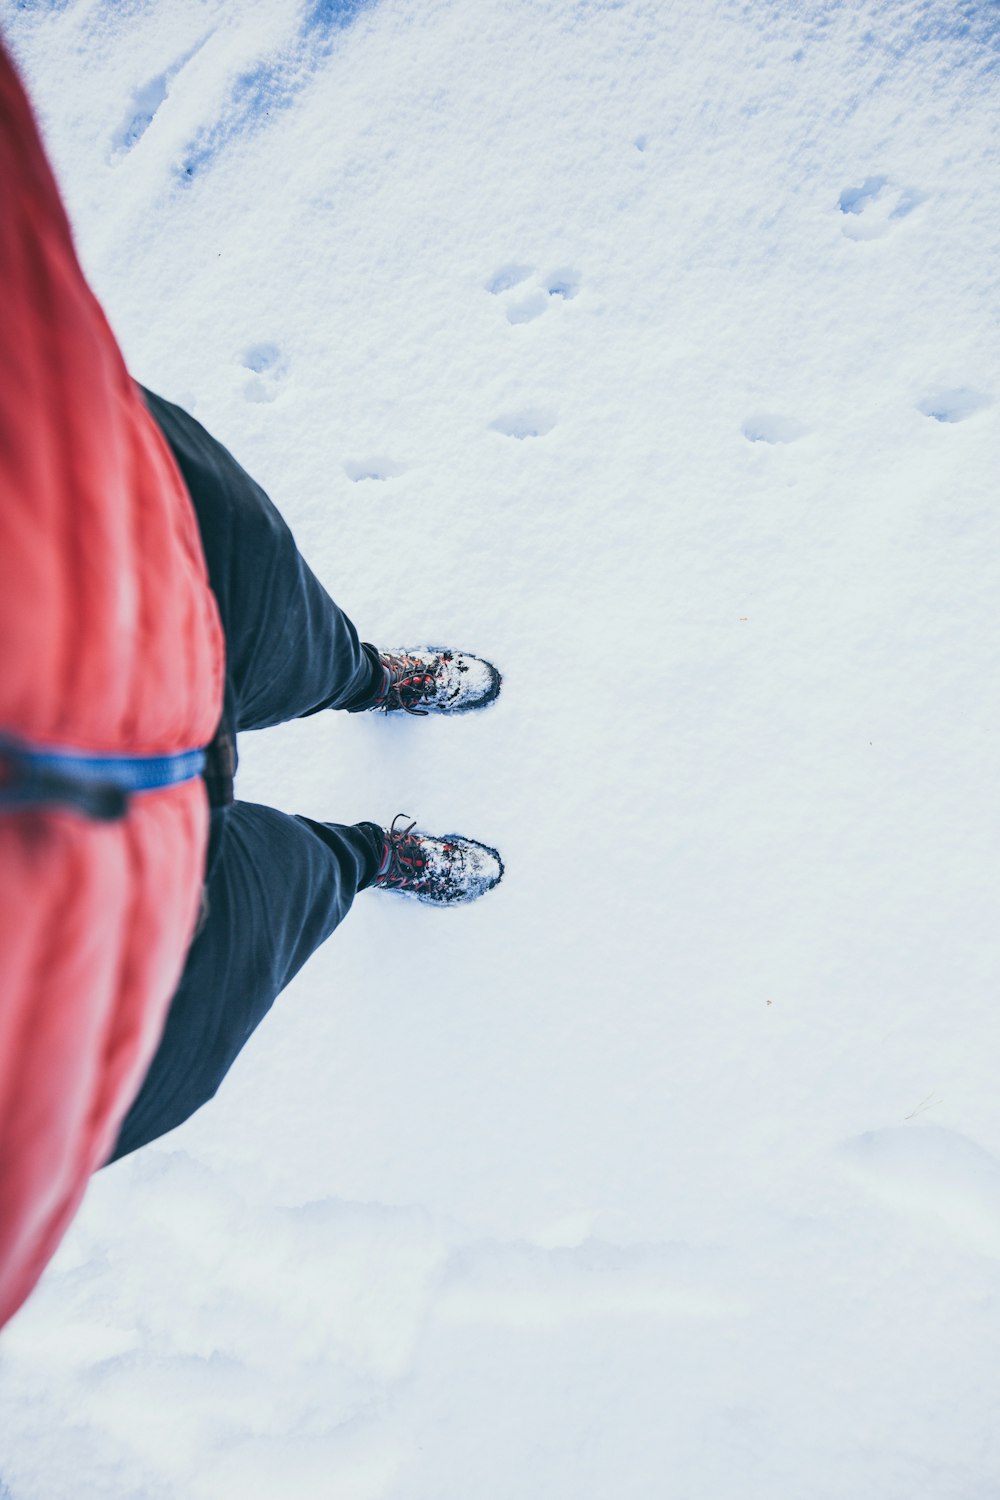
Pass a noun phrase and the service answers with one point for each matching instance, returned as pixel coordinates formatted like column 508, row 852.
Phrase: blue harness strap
column 99, row 786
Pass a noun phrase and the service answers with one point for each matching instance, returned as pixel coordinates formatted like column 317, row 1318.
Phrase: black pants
column 276, row 886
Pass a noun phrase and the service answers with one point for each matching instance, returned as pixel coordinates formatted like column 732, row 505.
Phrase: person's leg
column 277, row 890
column 277, row 886
column 290, row 650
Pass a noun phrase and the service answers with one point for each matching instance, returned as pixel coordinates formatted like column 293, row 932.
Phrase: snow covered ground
column 650, row 349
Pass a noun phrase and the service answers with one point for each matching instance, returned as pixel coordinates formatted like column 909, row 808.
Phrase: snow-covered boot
column 443, row 870
column 432, row 680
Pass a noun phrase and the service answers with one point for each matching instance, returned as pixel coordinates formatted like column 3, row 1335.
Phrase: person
column 277, row 886
column 152, row 604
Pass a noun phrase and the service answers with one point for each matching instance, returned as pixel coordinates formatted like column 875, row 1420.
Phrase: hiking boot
column 431, row 680
column 443, row 871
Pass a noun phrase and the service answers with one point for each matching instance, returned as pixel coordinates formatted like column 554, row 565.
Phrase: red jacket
column 110, row 645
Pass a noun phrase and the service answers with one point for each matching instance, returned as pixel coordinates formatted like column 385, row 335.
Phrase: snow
column 651, row 351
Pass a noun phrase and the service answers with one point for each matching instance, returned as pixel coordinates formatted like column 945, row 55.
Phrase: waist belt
column 99, row 786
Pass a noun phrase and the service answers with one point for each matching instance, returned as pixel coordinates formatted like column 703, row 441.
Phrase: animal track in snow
column 770, row 427
column 507, row 277
column 563, row 283
column 528, row 309
column 531, row 421
column 875, row 207
column 948, row 404
column 268, row 369
column 372, row 468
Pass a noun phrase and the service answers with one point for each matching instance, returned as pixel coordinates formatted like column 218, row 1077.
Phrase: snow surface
column 651, row 350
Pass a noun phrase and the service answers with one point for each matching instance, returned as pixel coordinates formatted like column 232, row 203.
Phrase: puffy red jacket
column 110, row 648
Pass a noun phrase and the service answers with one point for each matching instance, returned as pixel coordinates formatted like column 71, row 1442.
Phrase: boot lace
column 403, row 856
column 411, row 682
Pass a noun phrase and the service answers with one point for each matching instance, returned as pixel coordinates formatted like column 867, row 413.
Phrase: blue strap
column 97, row 785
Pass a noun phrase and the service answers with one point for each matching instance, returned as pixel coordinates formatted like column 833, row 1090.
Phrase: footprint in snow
column 770, row 427
column 139, row 115
column 563, row 283
column 530, row 422
column 877, row 206
column 953, row 404
column 527, row 309
column 268, row 370
column 372, row 468
column 507, row 277
column 146, row 101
